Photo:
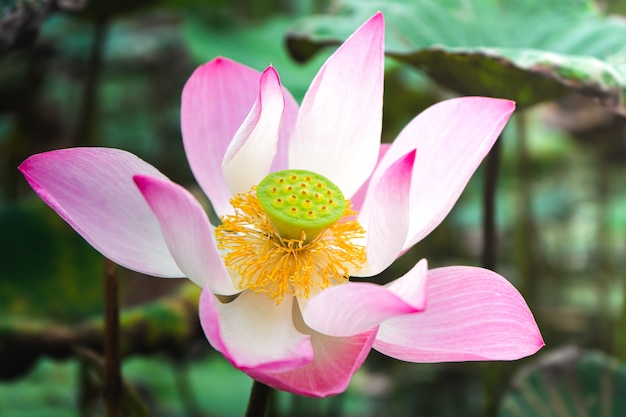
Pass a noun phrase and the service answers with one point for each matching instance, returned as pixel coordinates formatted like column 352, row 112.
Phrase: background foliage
column 110, row 73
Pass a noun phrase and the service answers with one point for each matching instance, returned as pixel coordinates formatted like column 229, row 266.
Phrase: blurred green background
column 110, row 73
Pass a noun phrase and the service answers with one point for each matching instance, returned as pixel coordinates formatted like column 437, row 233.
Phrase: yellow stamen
column 278, row 266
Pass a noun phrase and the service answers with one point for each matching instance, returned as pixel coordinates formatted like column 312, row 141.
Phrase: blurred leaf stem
column 492, row 168
column 525, row 225
column 259, row 399
column 112, row 358
column 83, row 135
column 620, row 331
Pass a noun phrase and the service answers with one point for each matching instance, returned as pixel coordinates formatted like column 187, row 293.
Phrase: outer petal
column 472, row 314
column 412, row 285
column 336, row 360
column 215, row 101
column 338, row 129
column 287, row 125
column 359, row 197
column 250, row 154
column 93, row 190
column 451, row 137
column 187, row 232
column 353, row 308
column 254, row 333
column 385, row 215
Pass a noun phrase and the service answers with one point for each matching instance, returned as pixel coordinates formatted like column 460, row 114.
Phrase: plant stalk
column 259, row 399
column 112, row 358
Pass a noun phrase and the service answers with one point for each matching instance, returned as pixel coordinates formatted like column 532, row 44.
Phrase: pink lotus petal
column 215, row 101
column 385, row 215
column 336, row 360
column 254, row 333
column 250, row 154
column 287, row 125
column 452, row 138
column 472, row 314
column 338, row 129
column 356, row 307
column 412, row 285
column 187, row 232
column 359, row 197
column 93, row 190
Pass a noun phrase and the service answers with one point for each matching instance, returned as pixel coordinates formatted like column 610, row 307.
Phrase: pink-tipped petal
column 215, row 101
column 92, row 189
column 412, row 285
column 338, row 129
column 452, row 138
column 250, row 154
column 254, row 333
column 472, row 314
column 287, row 125
column 336, row 360
column 359, row 197
column 385, row 215
column 187, row 232
column 356, row 307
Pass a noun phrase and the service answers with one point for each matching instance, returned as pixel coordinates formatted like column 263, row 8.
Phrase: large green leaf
column 529, row 51
column 568, row 383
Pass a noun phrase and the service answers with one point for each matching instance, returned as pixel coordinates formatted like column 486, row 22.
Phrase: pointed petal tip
column 408, row 159
column 270, row 75
column 219, row 60
column 374, row 23
column 140, row 181
column 377, row 18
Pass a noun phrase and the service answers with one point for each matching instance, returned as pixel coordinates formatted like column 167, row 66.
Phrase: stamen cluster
column 278, row 266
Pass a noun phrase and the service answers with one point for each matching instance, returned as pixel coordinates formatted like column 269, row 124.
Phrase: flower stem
column 259, row 399
column 83, row 134
column 620, row 337
column 492, row 169
column 112, row 362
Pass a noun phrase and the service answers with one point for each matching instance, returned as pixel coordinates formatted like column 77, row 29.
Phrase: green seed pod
column 300, row 204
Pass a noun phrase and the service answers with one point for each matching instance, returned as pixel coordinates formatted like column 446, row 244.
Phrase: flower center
column 293, row 233
column 300, row 204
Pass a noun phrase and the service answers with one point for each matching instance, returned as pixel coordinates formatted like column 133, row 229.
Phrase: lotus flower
column 308, row 198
